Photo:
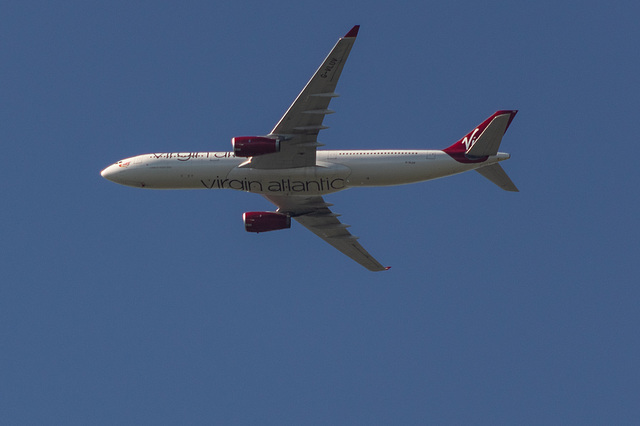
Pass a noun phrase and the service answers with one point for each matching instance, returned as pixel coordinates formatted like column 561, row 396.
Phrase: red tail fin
column 459, row 149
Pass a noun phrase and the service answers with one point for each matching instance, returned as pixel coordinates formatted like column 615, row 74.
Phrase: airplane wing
column 298, row 132
column 298, row 129
column 313, row 213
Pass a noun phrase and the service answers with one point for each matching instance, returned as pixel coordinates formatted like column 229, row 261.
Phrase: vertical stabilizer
column 484, row 140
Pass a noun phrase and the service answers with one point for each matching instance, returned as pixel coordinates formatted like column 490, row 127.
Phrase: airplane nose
column 109, row 172
column 122, row 174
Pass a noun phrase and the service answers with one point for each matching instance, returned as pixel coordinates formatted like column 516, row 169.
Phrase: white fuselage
column 334, row 171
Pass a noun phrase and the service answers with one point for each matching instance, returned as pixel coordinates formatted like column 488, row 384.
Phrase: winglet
column 353, row 32
column 387, row 268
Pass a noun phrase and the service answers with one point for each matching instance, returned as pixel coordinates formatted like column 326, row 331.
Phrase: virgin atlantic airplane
column 286, row 167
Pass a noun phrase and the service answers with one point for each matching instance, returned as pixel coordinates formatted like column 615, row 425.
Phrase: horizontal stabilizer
column 496, row 174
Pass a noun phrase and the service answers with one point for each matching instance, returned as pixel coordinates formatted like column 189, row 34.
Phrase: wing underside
column 298, row 128
column 297, row 132
column 314, row 214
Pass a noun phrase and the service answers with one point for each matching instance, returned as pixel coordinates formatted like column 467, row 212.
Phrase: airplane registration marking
column 329, row 68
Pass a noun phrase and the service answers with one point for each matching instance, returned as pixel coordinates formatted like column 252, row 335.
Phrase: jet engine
column 265, row 221
column 250, row 146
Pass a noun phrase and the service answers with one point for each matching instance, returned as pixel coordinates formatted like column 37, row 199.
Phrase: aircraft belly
column 172, row 174
column 402, row 171
column 327, row 177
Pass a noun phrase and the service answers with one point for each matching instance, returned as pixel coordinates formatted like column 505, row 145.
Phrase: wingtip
column 353, row 32
column 387, row 268
column 512, row 114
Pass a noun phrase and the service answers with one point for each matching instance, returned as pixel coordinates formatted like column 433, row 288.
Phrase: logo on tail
column 469, row 140
column 466, row 151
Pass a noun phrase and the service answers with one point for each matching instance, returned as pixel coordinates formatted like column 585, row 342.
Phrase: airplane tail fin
column 483, row 142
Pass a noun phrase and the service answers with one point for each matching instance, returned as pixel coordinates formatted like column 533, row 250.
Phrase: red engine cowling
column 265, row 221
column 250, row 146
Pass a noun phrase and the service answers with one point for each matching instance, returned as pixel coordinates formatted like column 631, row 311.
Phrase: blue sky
column 126, row 306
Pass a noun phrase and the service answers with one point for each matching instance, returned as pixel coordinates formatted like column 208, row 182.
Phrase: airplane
column 286, row 167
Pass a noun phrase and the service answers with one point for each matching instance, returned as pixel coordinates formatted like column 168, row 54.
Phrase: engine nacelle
column 265, row 221
column 250, row 146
